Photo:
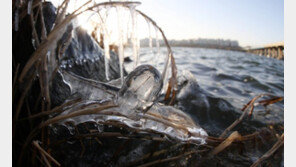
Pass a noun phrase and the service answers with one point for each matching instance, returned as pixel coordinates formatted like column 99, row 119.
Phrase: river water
column 228, row 76
column 231, row 75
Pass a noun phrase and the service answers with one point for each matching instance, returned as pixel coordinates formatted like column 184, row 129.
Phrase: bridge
column 273, row 50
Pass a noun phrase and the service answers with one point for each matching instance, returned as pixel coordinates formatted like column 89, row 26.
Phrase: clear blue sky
column 251, row 22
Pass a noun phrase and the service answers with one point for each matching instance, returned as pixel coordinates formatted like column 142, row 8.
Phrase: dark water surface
column 234, row 76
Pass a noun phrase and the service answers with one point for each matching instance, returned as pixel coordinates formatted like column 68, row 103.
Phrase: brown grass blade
column 35, row 143
column 275, row 147
column 227, row 142
column 54, row 110
column 45, row 160
column 250, row 105
column 78, row 113
column 173, row 79
column 43, row 29
column 168, row 159
column 270, row 101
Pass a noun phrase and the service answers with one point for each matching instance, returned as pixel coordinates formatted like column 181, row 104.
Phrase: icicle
column 128, row 28
column 120, row 41
column 106, row 46
column 138, row 47
column 135, row 41
column 157, row 46
column 150, row 36
column 127, row 25
column 166, row 77
column 34, row 43
column 151, row 44
column 29, row 6
column 107, row 54
column 16, row 20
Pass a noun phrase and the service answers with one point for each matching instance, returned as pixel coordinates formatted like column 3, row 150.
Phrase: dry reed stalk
column 81, row 143
column 54, row 110
column 63, row 47
column 61, row 50
column 45, row 159
column 265, row 102
column 15, row 76
column 61, row 11
column 44, row 84
column 227, row 142
column 250, row 105
column 156, row 115
column 37, row 13
column 43, row 29
column 34, row 32
column 153, row 154
column 23, row 14
column 35, row 143
column 96, row 84
column 168, row 123
column 168, row 159
column 215, row 140
column 270, row 101
column 30, row 80
column 114, row 134
column 78, row 113
column 32, row 134
column 29, row 113
column 14, row 80
column 20, row 103
column 98, row 135
column 275, row 147
column 117, row 152
column 173, row 80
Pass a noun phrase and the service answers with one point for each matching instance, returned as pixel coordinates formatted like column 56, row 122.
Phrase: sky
column 250, row 22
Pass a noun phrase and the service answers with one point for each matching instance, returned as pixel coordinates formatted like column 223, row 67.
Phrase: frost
column 29, row 6
column 120, row 40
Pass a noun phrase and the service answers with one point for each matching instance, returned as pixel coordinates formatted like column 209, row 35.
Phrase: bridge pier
column 280, row 53
column 272, row 51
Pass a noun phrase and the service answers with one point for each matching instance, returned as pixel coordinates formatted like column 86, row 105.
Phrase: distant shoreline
column 207, row 47
column 199, row 43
